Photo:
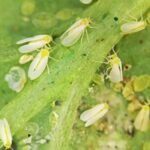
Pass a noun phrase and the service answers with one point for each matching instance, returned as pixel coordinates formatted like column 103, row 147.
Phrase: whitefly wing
column 37, row 66
column 5, row 133
column 74, row 26
column 145, row 123
column 96, row 117
column 73, row 36
column 133, row 26
column 91, row 112
column 31, row 39
column 31, row 46
column 142, row 119
column 115, row 74
column 121, row 72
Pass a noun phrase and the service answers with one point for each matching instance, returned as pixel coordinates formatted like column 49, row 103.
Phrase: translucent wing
column 31, row 39
column 75, row 25
column 71, row 37
column 142, row 119
column 37, row 66
column 91, row 112
column 31, row 46
column 5, row 133
column 132, row 27
column 116, row 73
column 145, row 123
column 73, row 34
column 97, row 116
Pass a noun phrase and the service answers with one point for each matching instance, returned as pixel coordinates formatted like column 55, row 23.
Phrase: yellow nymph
column 5, row 133
column 38, row 64
column 74, row 33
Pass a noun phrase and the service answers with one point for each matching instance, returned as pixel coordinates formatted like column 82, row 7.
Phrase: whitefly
column 33, row 43
column 38, row 64
column 92, row 115
column 5, row 133
column 75, row 32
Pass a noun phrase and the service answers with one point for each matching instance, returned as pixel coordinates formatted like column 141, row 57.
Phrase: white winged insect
column 5, row 133
column 142, row 120
column 132, row 27
column 33, row 43
column 38, row 64
column 90, row 116
column 115, row 74
column 74, row 33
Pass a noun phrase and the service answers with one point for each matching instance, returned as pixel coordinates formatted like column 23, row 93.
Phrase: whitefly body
column 74, row 33
column 38, row 64
column 92, row 115
column 115, row 74
column 33, row 43
column 132, row 27
column 142, row 119
column 5, row 133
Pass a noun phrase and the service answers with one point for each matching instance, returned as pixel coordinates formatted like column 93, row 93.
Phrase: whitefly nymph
column 25, row 59
column 33, row 43
column 74, row 33
column 38, row 64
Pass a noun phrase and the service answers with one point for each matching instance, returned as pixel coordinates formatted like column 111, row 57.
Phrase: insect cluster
column 16, row 77
column 41, row 44
column 114, row 72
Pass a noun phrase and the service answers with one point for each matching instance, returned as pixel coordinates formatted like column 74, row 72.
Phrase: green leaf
column 71, row 75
